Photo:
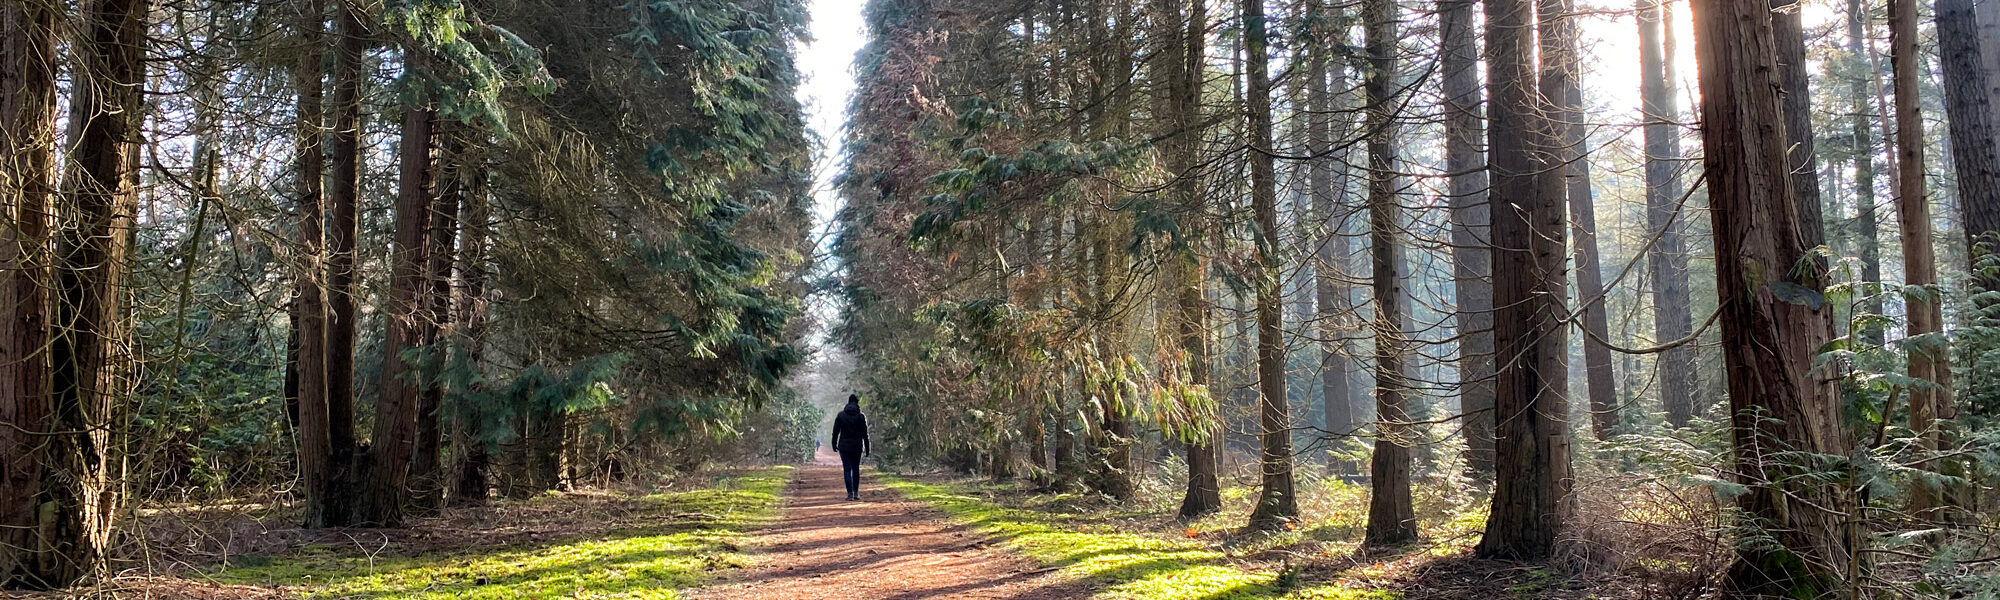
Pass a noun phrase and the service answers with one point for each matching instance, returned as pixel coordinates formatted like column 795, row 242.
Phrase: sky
column 828, row 62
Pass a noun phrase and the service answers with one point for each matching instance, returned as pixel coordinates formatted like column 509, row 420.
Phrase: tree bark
column 27, row 146
column 1928, row 358
column 1277, row 503
column 1770, row 331
column 343, row 227
column 1471, row 251
column 100, row 197
column 1988, row 12
column 426, row 475
column 387, row 469
column 315, row 450
column 288, row 389
column 1974, row 146
column 1531, row 454
column 1561, row 70
column 1788, row 33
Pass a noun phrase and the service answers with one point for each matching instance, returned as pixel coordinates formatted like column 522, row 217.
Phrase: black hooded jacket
column 850, row 430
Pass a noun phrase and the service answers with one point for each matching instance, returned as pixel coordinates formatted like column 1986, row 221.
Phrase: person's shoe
column 852, row 497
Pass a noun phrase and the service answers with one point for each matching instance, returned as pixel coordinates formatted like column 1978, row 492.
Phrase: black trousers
column 850, row 470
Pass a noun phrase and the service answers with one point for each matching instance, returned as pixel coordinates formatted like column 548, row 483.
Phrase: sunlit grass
column 1132, row 565
column 646, row 563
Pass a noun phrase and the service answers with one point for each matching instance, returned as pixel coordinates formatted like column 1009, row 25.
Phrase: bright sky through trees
column 828, row 65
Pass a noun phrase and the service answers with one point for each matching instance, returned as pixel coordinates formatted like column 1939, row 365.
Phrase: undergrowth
column 674, row 541
column 1130, row 565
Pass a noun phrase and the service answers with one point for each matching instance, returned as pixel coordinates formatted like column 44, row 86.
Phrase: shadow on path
column 881, row 547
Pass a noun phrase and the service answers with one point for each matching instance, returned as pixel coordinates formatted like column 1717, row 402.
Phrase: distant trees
column 1277, row 501
column 1562, row 72
column 1327, row 183
column 1667, row 262
column 1472, row 258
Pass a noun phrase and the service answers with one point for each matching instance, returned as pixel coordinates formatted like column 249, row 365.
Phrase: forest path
column 883, row 547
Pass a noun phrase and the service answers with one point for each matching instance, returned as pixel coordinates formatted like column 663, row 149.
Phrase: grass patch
column 1132, row 565
column 679, row 539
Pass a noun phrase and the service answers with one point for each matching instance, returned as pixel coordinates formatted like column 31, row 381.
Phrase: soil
column 881, row 547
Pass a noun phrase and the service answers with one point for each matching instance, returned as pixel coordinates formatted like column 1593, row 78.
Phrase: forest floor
column 787, row 533
column 1141, row 551
column 628, row 544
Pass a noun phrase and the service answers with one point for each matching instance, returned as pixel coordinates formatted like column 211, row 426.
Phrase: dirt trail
column 883, row 547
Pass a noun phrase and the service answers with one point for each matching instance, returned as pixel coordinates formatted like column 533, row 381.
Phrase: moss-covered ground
column 1130, row 564
column 643, row 547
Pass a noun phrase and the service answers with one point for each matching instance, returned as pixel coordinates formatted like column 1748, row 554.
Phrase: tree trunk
column 1111, row 467
column 1668, row 259
column 1561, row 69
column 1183, row 61
column 95, row 211
column 1276, row 503
column 546, row 428
column 288, row 390
column 27, row 146
column 1974, row 145
column 469, row 484
column 1988, row 12
column 87, row 371
column 1867, row 232
column 1928, row 359
column 1038, row 446
column 1471, row 251
column 1788, row 33
column 1770, row 331
column 342, row 228
column 387, row 469
column 1063, row 452
column 1392, row 519
column 1531, row 449
column 426, row 474
column 310, row 306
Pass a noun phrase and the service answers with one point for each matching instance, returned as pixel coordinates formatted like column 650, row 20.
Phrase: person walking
column 850, row 438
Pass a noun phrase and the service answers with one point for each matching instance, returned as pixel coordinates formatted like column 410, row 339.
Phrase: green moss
column 648, row 562
column 1132, row 565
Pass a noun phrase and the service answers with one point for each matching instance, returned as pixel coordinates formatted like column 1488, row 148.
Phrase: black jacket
column 850, row 430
